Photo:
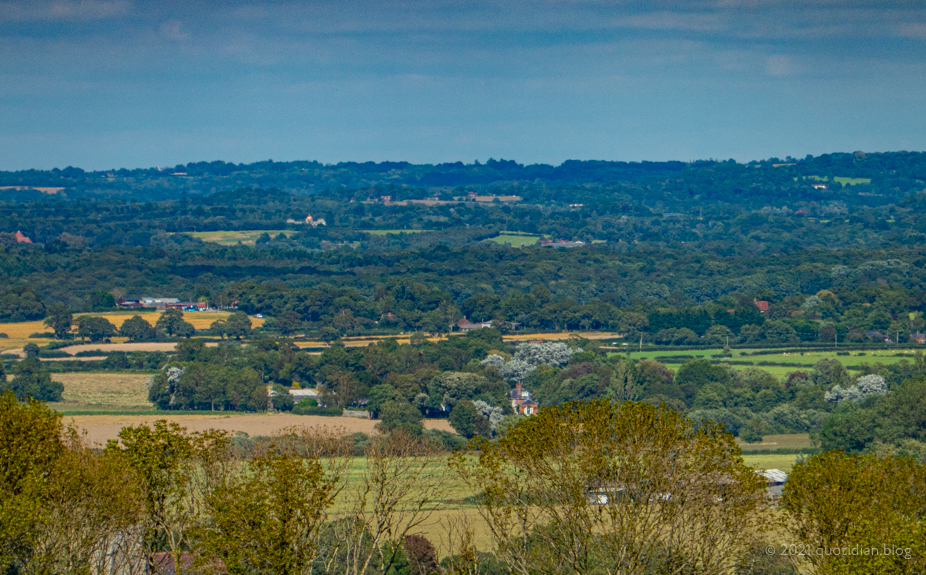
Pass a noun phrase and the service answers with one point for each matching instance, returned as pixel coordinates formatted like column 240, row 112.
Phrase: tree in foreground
column 267, row 516
column 63, row 507
column 868, row 503
column 628, row 488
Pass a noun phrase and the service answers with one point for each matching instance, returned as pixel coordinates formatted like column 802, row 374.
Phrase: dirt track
column 102, row 428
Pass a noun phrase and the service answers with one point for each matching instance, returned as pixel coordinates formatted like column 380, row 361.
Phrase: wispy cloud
column 67, row 10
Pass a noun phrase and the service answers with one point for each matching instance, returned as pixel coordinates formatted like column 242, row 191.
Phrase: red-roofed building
column 521, row 401
column 21, row 239
column 761, row 304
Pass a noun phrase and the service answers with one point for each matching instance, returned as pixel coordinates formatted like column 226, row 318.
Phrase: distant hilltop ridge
column 824, row 173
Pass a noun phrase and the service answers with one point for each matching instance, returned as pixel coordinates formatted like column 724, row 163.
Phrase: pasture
column 386, row 232
column 245, row 237
column 784, row 441
column 803, row 360
column 845, row 181
column 515, row 240
column 104, row 391
column 783, row 462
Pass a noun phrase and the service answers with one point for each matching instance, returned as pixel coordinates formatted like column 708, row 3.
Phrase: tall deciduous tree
column 173, row 468
column 95, row 328
column 137, row 328
column 238, row 325
column 172, row 322
column 837, row 501
column 629, row 489
column 59, row 319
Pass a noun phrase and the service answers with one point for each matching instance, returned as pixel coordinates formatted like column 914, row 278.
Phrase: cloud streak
column 63, row 10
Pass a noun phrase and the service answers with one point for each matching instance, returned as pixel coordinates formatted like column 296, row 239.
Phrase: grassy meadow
column 515, row 239
column 801, row 360
column 103, row 391
column 231, row 238
column 386, row 232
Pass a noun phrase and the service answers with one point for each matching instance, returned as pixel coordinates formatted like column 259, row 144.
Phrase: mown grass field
column 783, row 462
column 783, row 441
column 385, row 232
column 802, row 360
column 842, row 180
column 515, row 240
column 104, row 391
column 246, row 237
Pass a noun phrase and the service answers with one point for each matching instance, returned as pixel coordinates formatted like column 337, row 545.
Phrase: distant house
column 918, row 338
column 819, row 186
column 22, row 239
column 187, row 306
column 877, row 335
column 309, row 221
column 161, row 303
column 556, row 244
column 522, row 402
column 761, row 304
column 775, row 481
column 528, row 407
column 466, row 325
column 303, row 394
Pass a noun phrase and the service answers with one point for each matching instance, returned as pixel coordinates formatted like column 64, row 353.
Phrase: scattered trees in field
column 94, row 328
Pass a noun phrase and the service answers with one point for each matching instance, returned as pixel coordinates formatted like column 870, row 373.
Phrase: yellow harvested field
column 101, row 428
column 127, row 347
column 111, row 390
column 18, row 333
column 552, row 336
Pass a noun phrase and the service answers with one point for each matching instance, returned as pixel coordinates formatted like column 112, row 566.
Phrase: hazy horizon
column 103, row 84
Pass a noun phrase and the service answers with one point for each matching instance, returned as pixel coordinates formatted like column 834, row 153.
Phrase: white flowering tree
column 865, row 386
column 528, row 357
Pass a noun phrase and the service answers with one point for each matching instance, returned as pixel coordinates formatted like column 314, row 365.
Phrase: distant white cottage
column 309, row 221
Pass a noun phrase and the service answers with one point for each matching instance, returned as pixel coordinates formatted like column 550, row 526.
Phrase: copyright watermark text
column 800, row 550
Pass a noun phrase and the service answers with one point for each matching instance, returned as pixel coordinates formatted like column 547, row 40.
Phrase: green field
column 842, row 180
column 385, row 232
column 515, row 239
column 246, row 237
column 852, row 181
column 786, row 441
column 802, row 360
column 772, row 461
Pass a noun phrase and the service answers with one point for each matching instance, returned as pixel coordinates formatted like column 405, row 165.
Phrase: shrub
column 306, row 408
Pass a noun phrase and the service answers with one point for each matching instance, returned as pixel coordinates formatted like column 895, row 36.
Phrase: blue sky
column 137, row 83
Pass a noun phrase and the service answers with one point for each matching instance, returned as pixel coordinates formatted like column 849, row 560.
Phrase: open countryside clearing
column 18, row 332
column 231, row 238
column 101, row 428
